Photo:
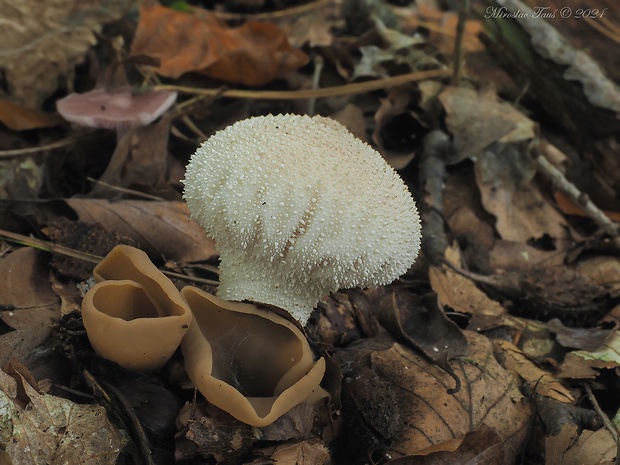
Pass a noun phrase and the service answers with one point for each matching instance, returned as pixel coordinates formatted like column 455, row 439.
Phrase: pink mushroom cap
column 117, row 109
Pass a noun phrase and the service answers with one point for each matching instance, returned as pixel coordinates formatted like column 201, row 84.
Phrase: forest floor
column 501, row 344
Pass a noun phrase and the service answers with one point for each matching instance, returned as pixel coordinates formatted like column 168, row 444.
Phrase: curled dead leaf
column 544, row 383
column 252, row 54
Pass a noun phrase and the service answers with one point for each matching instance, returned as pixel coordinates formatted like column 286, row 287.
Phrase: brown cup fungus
column 247, row 360
column 134, row 316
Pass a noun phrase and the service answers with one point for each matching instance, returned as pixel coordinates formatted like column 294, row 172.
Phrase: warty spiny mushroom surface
column 300, row 208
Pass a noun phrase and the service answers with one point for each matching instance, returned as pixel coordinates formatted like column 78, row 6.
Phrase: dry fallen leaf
column 210, row 433
column 571, row 87
column 398, row 131
column 423, row 325
column 482, row 446
column 28, row 304
column 53, row 431
column 252, row 54
column 311, row 24
column 477, row 119
column 568, row 207
column 43, row 42
column 160, row 228
column 466, row 217
column 520, row 257
column 505, row 177
column 585, row 448
column 489, row 398
column 21, row 118
column 462, row 294
column 140, row 158
column 586, row 364
column 302, row 453
column 27, row 296
column 578, row 338
column 539, row 380
column 352, row 117
column 603, row 270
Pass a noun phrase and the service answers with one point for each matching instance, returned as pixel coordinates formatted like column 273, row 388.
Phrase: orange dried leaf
column 253, row 54
column 569, row 207
column 21, row 118
column 442, row 26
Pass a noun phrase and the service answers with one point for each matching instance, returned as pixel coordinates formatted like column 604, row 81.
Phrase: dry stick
column 293, row 11
column 118, row 407
column 54, row 145
column 458, row 43
column 183, row 110
column 195, row 129
column 62, row 250
column 608, row 424
column 580, row 198
column 48, row 246
column 125, row 190
column 316, row 80
column 611, row 26
column 335, row 91
column 432, row 174
column 605, row 27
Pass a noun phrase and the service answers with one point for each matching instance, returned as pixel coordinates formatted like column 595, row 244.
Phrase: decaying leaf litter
column 499, row 345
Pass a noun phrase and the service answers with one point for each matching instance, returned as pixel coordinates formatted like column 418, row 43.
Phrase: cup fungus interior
column 250, row 352
column 126, row 300
column 129, row 263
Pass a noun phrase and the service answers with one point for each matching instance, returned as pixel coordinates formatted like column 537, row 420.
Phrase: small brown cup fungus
column 247, row 360
column 300, row 208
column 134, row 315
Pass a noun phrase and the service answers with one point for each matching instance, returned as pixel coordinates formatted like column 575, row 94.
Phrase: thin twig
column 458, row 42
column 182, row 110
column 54, row 145
column 611, row 26
column 293, row 11
column 605, row 27
column 192, row 127
column 580, row 198
column 48, row 246
column 316, row 82
column 126, row 412
column 606, row 421
column 335, row 91
column 62, row 250
column 124, row 190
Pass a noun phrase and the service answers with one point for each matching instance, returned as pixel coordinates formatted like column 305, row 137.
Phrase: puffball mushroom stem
column 300, row 208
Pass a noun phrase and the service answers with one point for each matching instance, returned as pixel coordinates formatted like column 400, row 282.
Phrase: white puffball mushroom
column 299, row 208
